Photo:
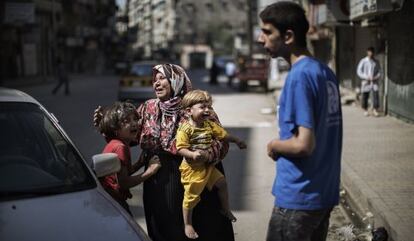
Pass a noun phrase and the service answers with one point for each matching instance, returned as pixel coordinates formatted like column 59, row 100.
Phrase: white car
column 47, row 191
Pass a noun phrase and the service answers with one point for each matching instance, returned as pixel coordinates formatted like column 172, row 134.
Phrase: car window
column 141, row 69
column 35, row 157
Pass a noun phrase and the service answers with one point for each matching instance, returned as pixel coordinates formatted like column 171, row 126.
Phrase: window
column 209, row 7
column 34, row 154
column 224, row 4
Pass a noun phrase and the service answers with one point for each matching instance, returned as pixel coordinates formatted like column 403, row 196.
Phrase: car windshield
column 35, row 157
column 141, row 69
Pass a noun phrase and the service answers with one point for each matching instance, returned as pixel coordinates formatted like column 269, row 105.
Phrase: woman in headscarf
column 163, row 192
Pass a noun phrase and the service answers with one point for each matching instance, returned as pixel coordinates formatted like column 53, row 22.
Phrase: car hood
column 86, row 215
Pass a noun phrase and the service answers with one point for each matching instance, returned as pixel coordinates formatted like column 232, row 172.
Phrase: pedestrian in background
column 230, row 72
column 308, row 151
column 62, row 77
column 214, row 71
column 369, row 71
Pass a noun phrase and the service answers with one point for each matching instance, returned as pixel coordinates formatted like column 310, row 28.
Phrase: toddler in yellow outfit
column 192, row 139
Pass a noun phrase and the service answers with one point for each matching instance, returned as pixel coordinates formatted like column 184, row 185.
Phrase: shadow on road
column 235, row 166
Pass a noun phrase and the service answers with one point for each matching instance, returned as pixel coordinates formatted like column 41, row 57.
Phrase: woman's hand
column 211, row 158
column 154, row 165
column 200, row 156
column 97, row 116
column 241, row 144
column 217, row 152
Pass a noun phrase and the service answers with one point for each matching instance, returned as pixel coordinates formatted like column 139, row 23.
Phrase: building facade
column 85, row 34
column 164, row 29
column 399, row 63
column 27, row 37
column 35, row 33
column 152, row 24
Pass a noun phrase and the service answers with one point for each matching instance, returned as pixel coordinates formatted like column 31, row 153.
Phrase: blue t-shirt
column 310, row 98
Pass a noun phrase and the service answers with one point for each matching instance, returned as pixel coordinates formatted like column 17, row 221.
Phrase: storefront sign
column 333, row 12
column 339, row 9
column 19, row 13
column 360, row 9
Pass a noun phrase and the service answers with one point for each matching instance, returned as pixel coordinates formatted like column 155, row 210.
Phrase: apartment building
column 166, row 28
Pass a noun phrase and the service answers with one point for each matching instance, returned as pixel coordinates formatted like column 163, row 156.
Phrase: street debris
column 368, row 220
column 347, row 225
column 347, row 232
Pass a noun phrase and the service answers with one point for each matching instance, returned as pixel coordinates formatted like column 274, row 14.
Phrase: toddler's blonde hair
column 195, row 97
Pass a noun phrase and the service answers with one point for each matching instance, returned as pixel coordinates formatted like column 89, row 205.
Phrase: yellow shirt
column 191, row 137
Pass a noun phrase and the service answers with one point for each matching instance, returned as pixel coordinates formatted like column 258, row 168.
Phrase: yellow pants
column 194, row 178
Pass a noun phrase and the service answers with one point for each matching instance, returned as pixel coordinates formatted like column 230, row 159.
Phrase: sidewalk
column 378, row 170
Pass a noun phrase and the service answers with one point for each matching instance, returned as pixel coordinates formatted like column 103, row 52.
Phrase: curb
column 362, row 199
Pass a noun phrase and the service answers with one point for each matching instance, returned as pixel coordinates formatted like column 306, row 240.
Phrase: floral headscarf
column 160, row 120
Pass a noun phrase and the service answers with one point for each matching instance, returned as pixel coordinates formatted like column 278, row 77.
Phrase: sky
column 120, row 3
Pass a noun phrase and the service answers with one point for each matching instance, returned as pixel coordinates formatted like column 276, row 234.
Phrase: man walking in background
column 214, row 71
column 308, row 150
column 62, row 77
column 370, row 73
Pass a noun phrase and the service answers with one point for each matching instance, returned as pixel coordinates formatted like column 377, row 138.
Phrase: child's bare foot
column 229, row 215
column 190, row 232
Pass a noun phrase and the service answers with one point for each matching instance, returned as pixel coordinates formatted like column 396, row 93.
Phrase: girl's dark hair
column 113, row 116
column 285, row 16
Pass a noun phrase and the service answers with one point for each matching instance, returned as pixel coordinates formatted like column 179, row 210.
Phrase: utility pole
column 54, row 51
column 250, row 25
column 126, row 55
column 151, row 33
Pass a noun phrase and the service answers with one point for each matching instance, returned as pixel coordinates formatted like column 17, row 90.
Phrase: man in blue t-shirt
column 308, row 151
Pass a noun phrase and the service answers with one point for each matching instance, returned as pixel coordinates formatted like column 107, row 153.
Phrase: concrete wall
column 401, row 62
column 345, row 69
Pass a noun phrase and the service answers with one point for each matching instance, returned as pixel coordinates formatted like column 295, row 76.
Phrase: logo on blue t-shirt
column 333, row 97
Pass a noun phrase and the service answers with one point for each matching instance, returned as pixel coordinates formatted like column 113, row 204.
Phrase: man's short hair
column 371, row 49
column 285, row 16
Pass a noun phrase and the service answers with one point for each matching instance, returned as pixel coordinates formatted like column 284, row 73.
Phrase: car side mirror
column 105, row 164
